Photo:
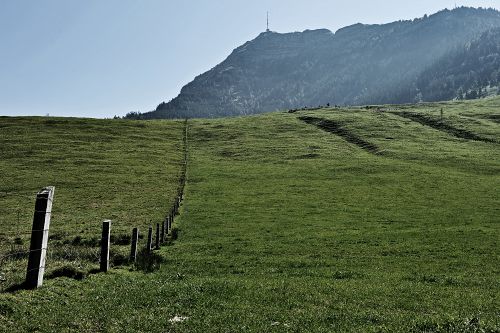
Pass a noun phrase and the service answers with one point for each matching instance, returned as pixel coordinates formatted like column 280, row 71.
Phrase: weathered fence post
column 105, row 241
column 150, row 239
column 163, row 231
column 157, row 236
column 168, row 224
column 39, row 237
column 133, row 246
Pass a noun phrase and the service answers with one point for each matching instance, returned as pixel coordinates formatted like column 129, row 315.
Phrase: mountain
column 470, row 72
column 359, row 64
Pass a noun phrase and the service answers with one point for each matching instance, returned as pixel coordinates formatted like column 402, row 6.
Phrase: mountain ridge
column 357, row 64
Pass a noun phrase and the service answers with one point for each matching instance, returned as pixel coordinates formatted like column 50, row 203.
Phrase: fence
column 23, row 266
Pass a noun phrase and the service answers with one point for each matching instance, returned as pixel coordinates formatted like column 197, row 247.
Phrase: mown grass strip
column 441, row 125
column 337, row 129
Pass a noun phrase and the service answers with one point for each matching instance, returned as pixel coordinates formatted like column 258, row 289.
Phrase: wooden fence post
column 157, row 236
column 168, row 224
column 133, row 246
column 39, row 237
column 150, row 239
column 105, row 241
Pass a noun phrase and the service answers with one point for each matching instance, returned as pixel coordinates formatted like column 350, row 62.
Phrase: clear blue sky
column 98, row 58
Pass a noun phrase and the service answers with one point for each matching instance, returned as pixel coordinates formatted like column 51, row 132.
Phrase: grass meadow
column 374, row 219
column 101, row 169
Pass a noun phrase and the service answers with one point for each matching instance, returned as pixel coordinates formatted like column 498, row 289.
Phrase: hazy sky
column 98, row 58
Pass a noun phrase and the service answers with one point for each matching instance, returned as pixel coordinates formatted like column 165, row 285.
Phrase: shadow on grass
column 148, row 261
column 67, row 271
column 16, row 287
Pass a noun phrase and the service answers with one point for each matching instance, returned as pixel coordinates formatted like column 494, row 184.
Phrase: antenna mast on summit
column 267, row 29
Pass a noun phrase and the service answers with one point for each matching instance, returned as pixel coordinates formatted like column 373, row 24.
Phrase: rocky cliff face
column 360, row 64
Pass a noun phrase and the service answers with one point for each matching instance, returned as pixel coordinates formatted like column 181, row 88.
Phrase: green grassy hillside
column 124, row 171
column 378, row 219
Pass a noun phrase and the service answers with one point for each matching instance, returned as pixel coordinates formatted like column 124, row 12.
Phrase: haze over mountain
column 469, row 72
column 399, row 62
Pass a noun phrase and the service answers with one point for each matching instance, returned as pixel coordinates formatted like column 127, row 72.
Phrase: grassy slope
column 288, row 228
column 102, row 169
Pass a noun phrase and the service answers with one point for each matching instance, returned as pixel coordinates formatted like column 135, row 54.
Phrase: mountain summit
column 359, row 64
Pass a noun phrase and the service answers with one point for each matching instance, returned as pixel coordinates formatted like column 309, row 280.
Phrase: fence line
column 78, row 251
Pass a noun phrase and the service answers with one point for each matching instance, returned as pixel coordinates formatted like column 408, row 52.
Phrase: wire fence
column 70, row 253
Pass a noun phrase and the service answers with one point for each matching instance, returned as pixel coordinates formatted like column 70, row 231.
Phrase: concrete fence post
column 39, row 237
column 157, row 236
column 163, row 227
column 150, row 239
column 105, row 244
column 133, row 245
